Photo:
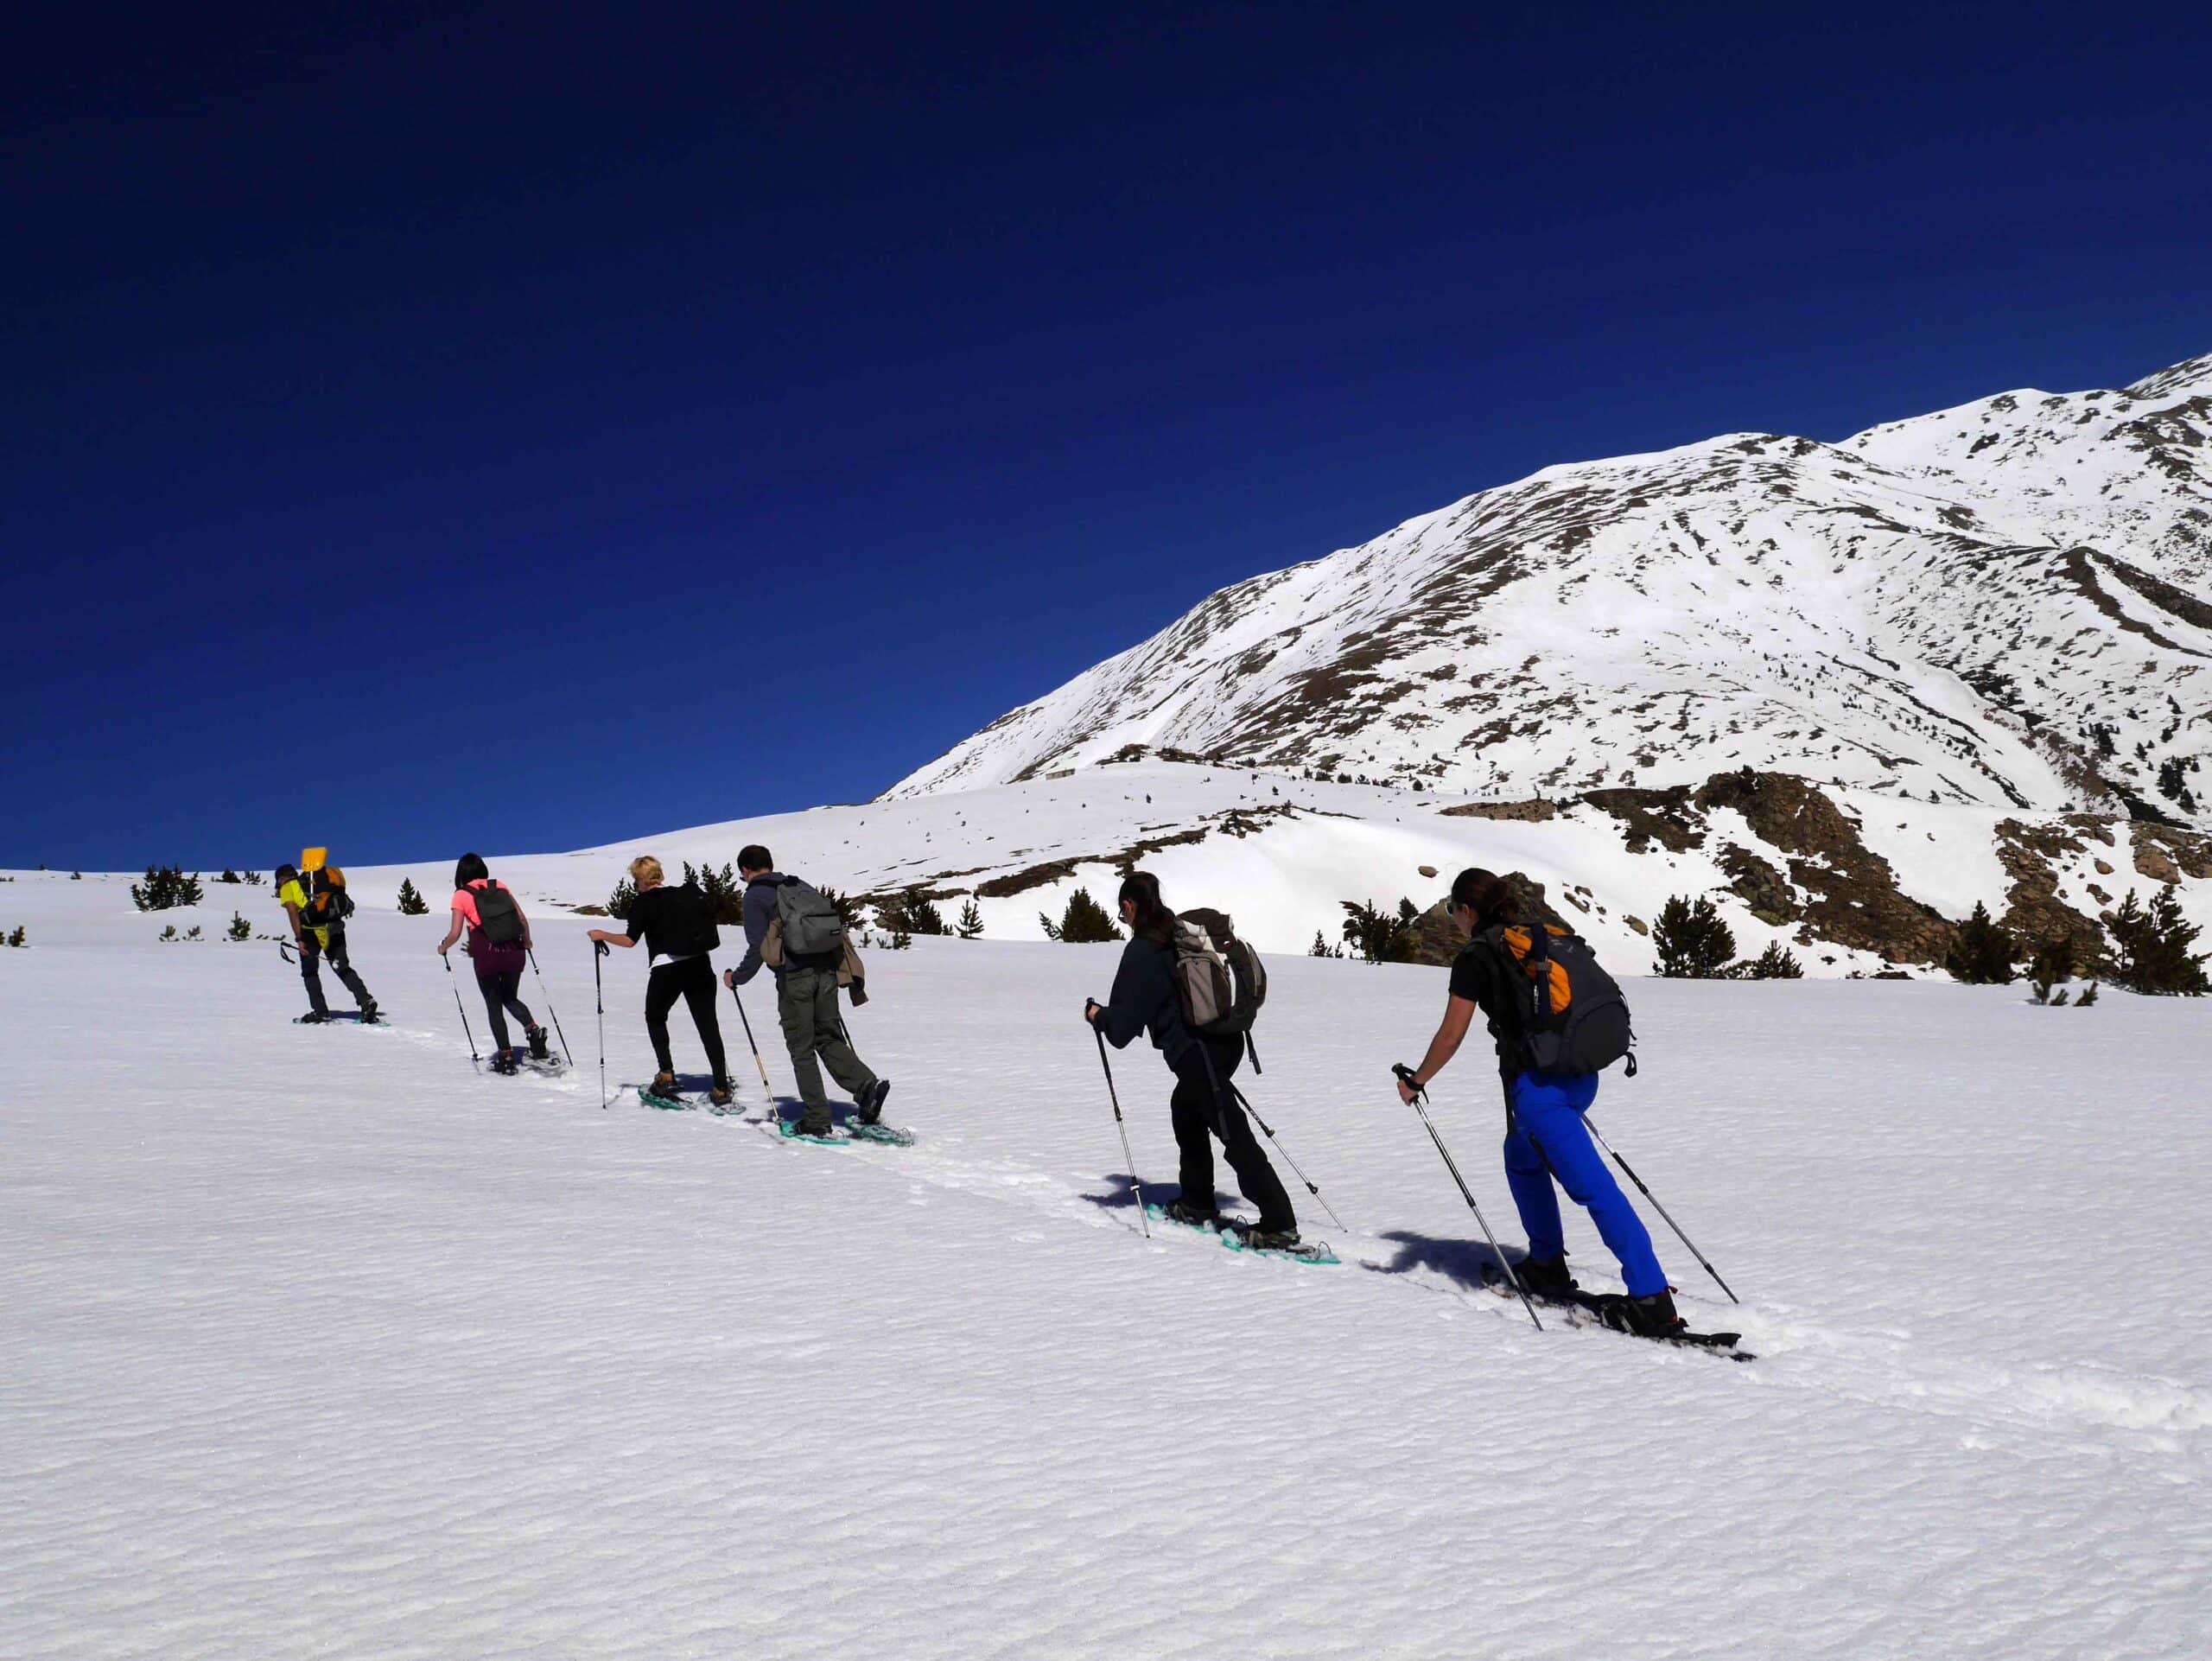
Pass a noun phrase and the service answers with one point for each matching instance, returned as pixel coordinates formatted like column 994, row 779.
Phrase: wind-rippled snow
column 319, row 1344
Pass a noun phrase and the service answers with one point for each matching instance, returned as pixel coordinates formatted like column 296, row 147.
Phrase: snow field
column 321, row 1345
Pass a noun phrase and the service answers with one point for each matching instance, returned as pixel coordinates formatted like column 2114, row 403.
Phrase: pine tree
column 1377, row 935
column 19, row 938
column 624, row 897
column 166, row 886
column 1983, row 953
column 1693, row 940
column 228, row 875
column 2154, row 942
column 240, row 929
column 911, row 912
column 1776, row 963
column 411, row 903
column 971, row 921
column 1321, row 948
column 1083, row 923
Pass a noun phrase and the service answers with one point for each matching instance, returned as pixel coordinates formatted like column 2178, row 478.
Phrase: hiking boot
column 1651, row 1317
column 810, row 1125
column 871, row 1103
column 1190, row 1212
column 368, row 1010
column 1545, row 1278
column 537, row 1050
column 504, row 1061
column 315, row 1017
column 720, row 1093
column 1258, row 1237
column 663, row 1085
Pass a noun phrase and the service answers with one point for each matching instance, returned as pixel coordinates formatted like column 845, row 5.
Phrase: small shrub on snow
column 970, row 926
column 240, row 929
column 411, row 903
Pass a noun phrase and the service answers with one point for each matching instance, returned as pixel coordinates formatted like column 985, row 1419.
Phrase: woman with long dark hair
column 1144, row 999
column 499, row 946
column 1545, row 1137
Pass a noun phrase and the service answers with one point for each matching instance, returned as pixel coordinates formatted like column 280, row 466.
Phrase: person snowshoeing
column 317, row 905
column 1144, row 999
column 806, row 1001
column 1545, row 1137
column 677, row 925
column 498, row 945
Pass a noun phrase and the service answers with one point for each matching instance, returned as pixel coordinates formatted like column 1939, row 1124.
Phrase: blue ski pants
column 1546, row 1139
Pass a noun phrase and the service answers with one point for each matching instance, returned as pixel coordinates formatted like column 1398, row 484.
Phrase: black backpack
column 331, row 903
column 498, row 919
column 689, row 931
column 1573, row 1017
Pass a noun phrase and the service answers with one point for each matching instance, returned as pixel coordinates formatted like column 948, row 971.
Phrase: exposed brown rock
column 2177, row 853
column 1854, row 898
column 1535, row 811
column 2033, row 910
column 1648, row 816
column 1761, row 886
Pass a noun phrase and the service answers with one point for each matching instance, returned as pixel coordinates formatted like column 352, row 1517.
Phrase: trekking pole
column 1661, row 1209
column 549, row 1009
column 1111, row 1096
column 1420, row 1095
column 757, row 1061
column 1284, row 1152
column 473, row 1058
column 598, row 997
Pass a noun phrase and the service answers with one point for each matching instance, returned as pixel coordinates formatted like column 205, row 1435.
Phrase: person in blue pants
column 1546, row 1140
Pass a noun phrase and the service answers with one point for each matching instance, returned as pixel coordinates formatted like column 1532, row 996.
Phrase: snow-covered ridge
column 2002, row 605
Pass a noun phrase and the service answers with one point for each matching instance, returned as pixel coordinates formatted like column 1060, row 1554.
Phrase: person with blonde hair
column 677, row 925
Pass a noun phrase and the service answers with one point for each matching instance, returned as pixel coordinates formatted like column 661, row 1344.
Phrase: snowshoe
column 503, row 1062
column 311, row 1018
column 891, row 1136
column 1240, row 1236
column 367, row 1017
column 662, row 1093
column 720, row 1095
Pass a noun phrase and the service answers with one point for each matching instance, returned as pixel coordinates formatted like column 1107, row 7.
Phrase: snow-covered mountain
column 2001, row 604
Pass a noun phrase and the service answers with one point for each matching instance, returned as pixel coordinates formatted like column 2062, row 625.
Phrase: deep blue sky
column 517, row 426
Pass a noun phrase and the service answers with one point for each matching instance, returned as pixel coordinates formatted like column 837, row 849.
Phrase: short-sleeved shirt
column 292, row 893
column 1479, row 975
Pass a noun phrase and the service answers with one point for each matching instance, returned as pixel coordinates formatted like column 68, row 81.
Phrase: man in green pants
column 806, row 1003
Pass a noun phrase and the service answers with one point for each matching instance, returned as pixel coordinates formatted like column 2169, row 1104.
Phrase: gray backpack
column 808, row 924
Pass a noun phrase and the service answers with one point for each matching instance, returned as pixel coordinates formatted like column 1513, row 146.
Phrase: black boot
column 1192, row 1212
column 504, row 1061
column 1260, row 1237
column 537, row 1050
column 315, row 1017
column 871, row 1104
column 1651, row 1317
column 368, row 1010
column 1545, row 1278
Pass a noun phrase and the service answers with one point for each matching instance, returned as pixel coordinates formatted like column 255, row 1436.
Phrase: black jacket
column 1144, row 1000
column 1480, row 975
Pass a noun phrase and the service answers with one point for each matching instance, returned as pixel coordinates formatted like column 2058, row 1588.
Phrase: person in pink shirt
column 498, row 945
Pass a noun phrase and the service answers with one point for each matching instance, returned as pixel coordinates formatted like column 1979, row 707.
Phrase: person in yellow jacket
column 316, row 907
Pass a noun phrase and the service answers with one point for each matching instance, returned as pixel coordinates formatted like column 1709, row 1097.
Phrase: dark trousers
column 692, row 980
column 500, row 997
column 814, row 1032
column 1204, row 1108
column 310, row 970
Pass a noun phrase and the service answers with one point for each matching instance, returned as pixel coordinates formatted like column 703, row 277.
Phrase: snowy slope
column 321, row 1345
column 2001, row 606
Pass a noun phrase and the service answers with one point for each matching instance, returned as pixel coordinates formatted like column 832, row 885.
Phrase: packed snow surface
column 321, row 1343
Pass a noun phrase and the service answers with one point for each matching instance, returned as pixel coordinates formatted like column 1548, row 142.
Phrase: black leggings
column 499, row 997
column 1203, row 1108
column 692, row 980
